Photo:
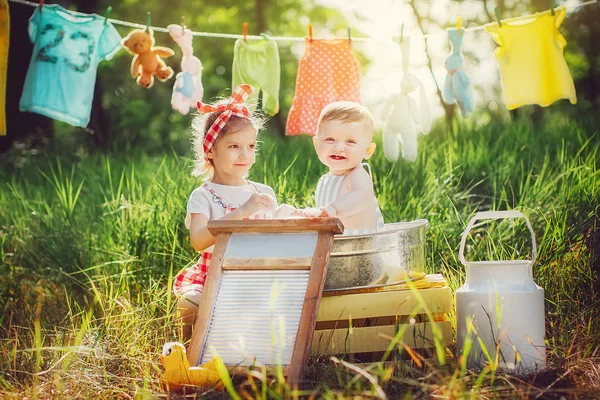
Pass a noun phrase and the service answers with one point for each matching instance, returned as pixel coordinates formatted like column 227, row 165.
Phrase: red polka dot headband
column 234, row 106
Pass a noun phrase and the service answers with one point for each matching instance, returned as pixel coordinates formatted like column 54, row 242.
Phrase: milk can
column 505, row 306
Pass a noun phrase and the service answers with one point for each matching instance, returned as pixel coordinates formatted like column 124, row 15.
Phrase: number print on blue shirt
column 86, row 54
column 42, row 55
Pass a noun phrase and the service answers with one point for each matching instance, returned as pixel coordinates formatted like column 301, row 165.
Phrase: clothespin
column 107, row 14
column 310, row 32
column 349, row 36
column 552, row 5
column 182, row 24
column 245, row 30
column 498, row 16
column 459, row 25
column 148, row 19
column 41, row 5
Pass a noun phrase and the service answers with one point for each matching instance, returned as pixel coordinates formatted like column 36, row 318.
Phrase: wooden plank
column 333, row 225
column 419, row 281
column 377, row 338
column 314, row 290
column 207, row 300
column 267, row 263
column 381, row 304
column 377, row 321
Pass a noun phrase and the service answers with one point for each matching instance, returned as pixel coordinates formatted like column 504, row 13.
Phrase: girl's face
column 233, row 154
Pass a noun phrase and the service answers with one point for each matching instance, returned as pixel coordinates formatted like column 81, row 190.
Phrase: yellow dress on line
column 4, row 37
column 530, row 57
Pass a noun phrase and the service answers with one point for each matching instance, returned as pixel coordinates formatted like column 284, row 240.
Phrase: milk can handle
column 495, row 215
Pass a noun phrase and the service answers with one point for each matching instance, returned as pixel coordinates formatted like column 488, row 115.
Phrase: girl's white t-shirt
column 202, row 201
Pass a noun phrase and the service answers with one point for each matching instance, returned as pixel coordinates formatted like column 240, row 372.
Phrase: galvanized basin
column 371, row 259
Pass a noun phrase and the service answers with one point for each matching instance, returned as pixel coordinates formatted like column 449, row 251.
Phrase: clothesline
column 569, row 7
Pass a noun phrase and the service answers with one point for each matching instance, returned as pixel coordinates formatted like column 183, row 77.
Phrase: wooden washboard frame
column 304, row 259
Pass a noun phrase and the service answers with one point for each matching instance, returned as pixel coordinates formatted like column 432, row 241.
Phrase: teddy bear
column 147, row 60
column 187, row 90
column 458, row 88
column 404, row 117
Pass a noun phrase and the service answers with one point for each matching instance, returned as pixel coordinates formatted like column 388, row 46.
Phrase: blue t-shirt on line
column 68, row 46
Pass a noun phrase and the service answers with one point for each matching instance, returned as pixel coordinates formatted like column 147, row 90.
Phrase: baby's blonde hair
column 347, row 111
column 202, row 122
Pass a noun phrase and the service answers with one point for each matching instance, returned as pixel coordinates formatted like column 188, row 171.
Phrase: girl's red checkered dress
column 193, row 278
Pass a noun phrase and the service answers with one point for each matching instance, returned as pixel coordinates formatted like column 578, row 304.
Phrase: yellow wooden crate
column 376, row 317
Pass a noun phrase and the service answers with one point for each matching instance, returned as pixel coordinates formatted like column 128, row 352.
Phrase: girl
column 224, row 144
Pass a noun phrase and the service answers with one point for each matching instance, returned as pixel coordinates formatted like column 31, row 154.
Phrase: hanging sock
column 530, row 59
column 327, row 72
column 4, row 42
column 256, row 63
column 458, row 88
column 188, row 89
column 67, row 48
column 405, row 117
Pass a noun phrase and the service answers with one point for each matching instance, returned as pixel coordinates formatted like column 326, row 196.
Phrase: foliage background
column 91, row 220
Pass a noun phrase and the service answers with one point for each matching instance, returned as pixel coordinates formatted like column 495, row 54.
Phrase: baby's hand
column 311, row 212
column 327, row 211
column 287, row 211
column 257, row 203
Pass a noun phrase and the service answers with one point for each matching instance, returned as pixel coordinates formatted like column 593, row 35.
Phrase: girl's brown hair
column 200, row 125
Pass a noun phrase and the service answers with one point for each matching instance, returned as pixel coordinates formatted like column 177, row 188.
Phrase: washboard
column 262, row 292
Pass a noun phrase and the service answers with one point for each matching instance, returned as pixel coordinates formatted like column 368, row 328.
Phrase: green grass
column 89, row 245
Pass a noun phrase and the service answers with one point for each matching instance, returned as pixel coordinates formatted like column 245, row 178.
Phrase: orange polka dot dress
column 327, row 72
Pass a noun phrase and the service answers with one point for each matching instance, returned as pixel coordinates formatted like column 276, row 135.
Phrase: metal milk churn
column 500, row 309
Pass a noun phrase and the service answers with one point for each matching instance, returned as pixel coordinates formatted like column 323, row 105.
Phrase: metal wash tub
column 364, row 260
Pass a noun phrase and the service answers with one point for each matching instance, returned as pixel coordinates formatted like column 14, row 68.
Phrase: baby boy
column 344, row 139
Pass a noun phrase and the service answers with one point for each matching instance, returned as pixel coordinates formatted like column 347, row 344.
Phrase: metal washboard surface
column 256, row 316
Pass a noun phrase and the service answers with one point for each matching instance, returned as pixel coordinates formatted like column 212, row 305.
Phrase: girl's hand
column 257, row 203
column 286, row 211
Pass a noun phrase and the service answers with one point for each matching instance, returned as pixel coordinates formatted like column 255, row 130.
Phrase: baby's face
column 343, row 145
